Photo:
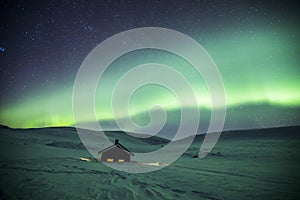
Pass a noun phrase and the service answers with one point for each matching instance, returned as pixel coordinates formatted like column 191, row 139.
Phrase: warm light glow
column 85, row 159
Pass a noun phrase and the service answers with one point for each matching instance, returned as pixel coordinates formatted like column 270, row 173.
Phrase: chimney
column 116, row 141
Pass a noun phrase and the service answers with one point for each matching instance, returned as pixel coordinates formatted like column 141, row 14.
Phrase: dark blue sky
column 43, row 43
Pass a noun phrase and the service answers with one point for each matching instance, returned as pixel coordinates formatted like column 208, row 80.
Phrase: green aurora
column 258, row 67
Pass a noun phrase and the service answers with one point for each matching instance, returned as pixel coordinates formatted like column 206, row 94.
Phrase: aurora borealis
column 254, row 45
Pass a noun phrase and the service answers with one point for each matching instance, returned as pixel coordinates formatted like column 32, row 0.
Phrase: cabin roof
column 119, row 146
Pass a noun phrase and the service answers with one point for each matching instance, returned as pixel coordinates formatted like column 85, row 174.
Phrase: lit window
column 110, row 160
column 121, row 160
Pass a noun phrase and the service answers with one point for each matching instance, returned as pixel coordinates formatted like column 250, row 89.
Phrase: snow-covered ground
column 46, row 164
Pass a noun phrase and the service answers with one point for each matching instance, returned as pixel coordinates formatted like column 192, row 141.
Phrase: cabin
column 116, row 153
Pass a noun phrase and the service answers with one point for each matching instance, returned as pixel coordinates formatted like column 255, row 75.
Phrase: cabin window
column 121, row 160
column 110, row 160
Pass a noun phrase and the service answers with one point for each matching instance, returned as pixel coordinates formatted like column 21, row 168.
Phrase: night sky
column 254, row 44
